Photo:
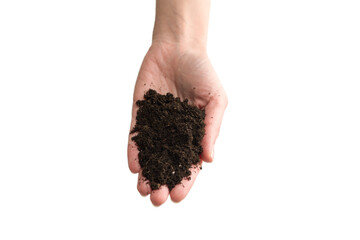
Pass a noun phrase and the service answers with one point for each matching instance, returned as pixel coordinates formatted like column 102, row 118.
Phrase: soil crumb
column 169, row 133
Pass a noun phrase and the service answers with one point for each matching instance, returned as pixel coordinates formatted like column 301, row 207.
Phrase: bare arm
column 177, row 62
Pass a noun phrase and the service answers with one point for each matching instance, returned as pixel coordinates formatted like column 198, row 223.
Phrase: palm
column 186, row 75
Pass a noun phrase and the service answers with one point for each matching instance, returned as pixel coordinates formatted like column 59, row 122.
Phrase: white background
column 286, row 162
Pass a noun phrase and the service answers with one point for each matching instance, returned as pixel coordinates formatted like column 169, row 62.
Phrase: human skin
column 177, row 62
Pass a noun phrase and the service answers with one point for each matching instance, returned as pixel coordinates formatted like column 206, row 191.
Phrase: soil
column 169, row 133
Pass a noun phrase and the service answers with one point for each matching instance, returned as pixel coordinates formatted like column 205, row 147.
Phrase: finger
column 159, row 196
column 214, row 115
column 179, row 192
column 143, row 186
column 133, row 151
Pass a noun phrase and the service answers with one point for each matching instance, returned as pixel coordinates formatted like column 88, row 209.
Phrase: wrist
column 182, row 23
column 180, row 41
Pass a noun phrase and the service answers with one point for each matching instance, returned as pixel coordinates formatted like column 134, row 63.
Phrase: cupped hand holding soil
column 187, row 75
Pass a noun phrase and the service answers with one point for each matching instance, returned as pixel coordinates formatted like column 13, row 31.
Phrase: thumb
column 214, row 114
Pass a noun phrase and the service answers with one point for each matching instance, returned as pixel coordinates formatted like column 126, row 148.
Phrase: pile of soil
column 169, row 133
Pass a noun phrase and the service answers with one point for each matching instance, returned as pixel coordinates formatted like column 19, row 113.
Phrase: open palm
column 186, row 74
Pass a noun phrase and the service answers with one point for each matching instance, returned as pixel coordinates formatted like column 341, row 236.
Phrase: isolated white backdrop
column 287, row 159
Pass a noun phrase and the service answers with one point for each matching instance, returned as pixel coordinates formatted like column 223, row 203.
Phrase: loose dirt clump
column 169, row 133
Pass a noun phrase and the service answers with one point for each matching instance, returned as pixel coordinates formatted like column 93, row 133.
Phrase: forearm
column 182, row 22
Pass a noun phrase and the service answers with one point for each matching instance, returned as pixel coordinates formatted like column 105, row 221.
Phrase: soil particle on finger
column 169, row 133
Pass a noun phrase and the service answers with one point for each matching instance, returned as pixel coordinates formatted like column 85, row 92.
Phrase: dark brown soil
column 169, row 133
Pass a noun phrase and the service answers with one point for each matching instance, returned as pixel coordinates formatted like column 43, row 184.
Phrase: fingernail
column 212, row 154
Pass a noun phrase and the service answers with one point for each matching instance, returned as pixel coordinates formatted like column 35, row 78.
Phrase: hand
column 186, row 73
